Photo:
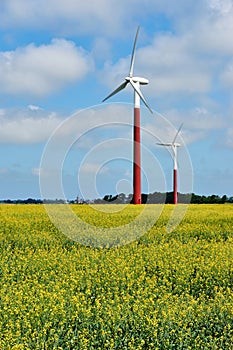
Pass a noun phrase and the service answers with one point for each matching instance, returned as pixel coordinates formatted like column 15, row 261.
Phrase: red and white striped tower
column 137, row 151
column 174, row 146
column 135, row 82
column 175, row 197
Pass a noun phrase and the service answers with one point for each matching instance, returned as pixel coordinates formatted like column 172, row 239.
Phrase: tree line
column 167, row 198
column 151, row 198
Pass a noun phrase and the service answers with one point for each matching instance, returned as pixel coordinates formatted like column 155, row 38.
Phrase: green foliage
column 164, row 291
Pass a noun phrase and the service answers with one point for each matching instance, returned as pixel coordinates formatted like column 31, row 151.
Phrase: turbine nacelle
column 140, row 80
column 175, row 144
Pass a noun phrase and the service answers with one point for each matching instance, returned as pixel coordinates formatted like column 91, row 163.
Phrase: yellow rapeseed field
column 165, row 290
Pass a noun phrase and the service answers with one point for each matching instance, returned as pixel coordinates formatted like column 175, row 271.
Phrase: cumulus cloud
column 76, row 16
column 183, row 62
column 35, row 124
column 41, row 70
column 197, row 118
column 178, row 63
column 173, row 67
column 170, row 65
column 108, row 17
column 189, row 57
column 186, row 61
column 27, row 126
column 221, row 6
column 197, row 124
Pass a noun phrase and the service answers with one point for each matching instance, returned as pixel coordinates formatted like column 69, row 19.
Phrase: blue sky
column 59, row 59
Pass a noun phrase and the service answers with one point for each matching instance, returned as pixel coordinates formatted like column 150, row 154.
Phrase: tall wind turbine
column 174, row 146
column 135, row 82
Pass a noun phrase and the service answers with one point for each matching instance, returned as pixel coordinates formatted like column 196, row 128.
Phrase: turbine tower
column 174, row 146
column 135, row 82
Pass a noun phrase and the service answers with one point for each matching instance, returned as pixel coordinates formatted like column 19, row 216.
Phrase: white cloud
column 181, row 63
column 172, row 67
column 34, row 108
column 198, row 123
column 214, row 36
column 189, row 57
column 170, row 63
column 23, row 126
column 197, row 118
column 34, row 124
column 108, row 17
column 41, row 70
column 221, row 6
column 76, row 16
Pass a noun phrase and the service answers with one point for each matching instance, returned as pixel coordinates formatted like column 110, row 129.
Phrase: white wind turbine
column 135, row 82
column 174, row 146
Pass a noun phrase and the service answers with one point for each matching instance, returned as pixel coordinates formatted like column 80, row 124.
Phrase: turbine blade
column 138, row 91
column 121, row 87
column 177, row 133
column 133, row 54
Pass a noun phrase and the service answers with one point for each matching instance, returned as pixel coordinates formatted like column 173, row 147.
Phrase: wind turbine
column 135, row 82
column 174, row 146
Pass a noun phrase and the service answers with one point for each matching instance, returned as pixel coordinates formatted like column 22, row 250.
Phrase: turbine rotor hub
column 140, row 80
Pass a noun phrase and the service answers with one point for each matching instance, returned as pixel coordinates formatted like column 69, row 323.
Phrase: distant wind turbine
column 174, row 146
column 135, row 82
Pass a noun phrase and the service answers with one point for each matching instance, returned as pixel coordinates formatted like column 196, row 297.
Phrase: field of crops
column 163, row 291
